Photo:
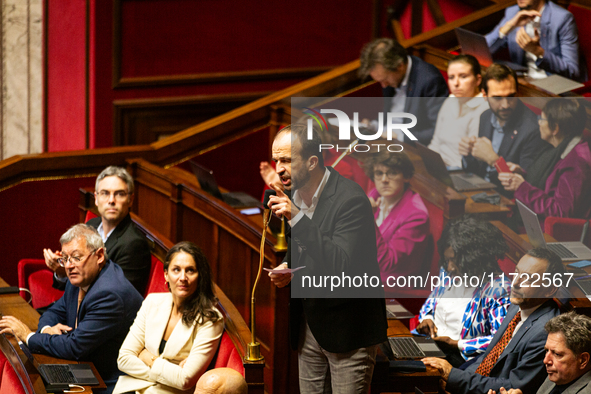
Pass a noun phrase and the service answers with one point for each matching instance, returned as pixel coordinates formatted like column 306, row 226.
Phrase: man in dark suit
column 332, row 234
column 91, row 320
column 409, row 84
column 126, row 245
column 514, row 358
column 508, row 129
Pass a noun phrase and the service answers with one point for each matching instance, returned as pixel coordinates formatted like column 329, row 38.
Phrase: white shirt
column 525, row 313
column 450, row 310
column 305, row 209
column 455, row 121
column 101, row 233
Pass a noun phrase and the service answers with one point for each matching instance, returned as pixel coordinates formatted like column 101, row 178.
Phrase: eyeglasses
column 119, row 195
column 75, row 260
column 391, row 174
column 540, row 119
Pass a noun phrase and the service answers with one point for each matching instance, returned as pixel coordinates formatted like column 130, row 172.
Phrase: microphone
column 268, row 193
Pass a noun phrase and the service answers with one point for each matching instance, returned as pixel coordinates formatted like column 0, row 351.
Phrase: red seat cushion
column 227, row 356
column 10, row 383
column 156, row 283
column 566, row 229
column 42, row 292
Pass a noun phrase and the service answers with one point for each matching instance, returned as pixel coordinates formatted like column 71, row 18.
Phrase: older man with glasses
column 91, row 320
column 127, row 246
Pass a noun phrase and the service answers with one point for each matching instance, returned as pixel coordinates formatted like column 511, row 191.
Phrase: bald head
column 221, row 381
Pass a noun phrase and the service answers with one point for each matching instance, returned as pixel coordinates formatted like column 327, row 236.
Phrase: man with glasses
column 508, row 129
column 125, row 244
column 91, row 320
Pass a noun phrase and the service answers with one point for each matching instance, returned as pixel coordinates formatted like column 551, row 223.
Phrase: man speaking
column 332, row 235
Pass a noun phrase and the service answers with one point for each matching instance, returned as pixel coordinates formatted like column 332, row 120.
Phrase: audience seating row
column 35, row 276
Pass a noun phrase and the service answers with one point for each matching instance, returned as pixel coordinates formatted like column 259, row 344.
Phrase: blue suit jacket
column 106, row 313
column 425, row 93
column 521, row 363
column 558, row 36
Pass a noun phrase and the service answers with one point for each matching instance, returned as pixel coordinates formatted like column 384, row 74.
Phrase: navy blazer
column 520, row 366
column 425, row 93
column 127, row 247
column 340, row 238
column 558, row 36
column 521, row 142
column 105, row 316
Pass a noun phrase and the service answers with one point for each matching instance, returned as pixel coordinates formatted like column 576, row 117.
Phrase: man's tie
column 489, row 361
column 81, row 294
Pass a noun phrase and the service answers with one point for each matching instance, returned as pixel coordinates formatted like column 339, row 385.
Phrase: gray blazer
column 583, row 385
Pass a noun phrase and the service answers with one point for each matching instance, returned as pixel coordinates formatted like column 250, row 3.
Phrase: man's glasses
column 75, row 260
column 119, row 195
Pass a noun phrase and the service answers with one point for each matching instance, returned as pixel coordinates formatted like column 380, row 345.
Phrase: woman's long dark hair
column 202, row 302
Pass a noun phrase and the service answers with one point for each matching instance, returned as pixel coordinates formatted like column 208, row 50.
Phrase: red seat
column 227, row 356
column 582, row 19
column 34, row 275
column 566, row 229
column 9, row 380
column 156, row 283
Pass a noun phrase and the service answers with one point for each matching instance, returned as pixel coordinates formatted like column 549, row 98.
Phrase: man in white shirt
column 409, row 84
column 126, row 245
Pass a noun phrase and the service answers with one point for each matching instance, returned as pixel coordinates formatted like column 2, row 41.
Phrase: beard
column 299, row 179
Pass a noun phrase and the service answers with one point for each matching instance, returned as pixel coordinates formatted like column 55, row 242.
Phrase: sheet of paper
column 284, row 271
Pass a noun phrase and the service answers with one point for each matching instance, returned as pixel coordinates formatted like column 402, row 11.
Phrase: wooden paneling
column 143, row 121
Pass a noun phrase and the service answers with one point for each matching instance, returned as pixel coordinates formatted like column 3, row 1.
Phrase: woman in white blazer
column 175, row 335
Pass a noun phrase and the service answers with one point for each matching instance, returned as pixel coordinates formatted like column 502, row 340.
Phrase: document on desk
column 556, row 84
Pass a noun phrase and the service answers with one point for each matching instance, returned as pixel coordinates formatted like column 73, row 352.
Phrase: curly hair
column 477, row 245
column 200, row 305
column 398, row 161
column 576, row 330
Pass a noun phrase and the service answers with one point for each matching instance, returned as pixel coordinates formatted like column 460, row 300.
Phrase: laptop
column 568, row 251
column 17, row 364
column 414, row 347
column 463, row 182
column 208, row 183
column 61, row 376
column 396, row 311
column 475, row 44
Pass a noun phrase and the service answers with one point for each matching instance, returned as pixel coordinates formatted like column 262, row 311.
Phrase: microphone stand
column 253, row 351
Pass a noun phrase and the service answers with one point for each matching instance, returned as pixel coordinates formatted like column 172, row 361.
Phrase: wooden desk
column 14, row 305
column 385, row 380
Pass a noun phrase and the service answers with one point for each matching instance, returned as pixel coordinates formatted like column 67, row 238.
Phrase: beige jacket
column 197, row 344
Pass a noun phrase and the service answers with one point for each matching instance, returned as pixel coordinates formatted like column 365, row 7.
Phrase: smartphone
column 501, row 165
column 580, row 264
